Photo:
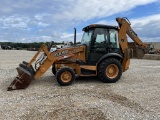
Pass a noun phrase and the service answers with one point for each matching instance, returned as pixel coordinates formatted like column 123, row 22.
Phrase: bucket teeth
column 24, row 78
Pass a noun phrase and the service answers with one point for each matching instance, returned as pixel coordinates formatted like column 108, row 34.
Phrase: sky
column 54, row 20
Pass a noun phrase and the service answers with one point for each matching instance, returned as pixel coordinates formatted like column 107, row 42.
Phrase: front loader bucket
column 24, row 77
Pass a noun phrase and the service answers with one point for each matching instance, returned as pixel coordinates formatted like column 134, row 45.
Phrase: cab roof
column 99, row 26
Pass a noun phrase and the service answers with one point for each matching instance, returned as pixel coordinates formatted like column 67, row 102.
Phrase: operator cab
column 100, row 40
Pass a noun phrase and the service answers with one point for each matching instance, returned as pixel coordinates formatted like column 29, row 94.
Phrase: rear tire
column 110, row 70
column 65, row 76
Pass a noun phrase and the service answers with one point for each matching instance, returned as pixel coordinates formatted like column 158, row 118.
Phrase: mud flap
column 24, row 77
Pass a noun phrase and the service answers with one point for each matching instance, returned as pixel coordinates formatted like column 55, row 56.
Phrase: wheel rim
column 66, row 76
column 112, row 71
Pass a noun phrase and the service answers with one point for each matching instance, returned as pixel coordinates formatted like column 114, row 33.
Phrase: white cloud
column 41, row 16
column 14, row 21
column 47, row 38
column 82, row 10
column 147, row 27
column 146, row 20
column 42, row 24
column 65, row 35
column 69, row 37
column 105, row 22
column 37, row 19
column 36, row 39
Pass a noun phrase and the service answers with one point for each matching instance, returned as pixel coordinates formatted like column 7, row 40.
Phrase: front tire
column 65, row 76
column 110, row 70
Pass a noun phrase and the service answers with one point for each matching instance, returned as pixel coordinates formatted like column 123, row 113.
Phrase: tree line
column 21, row 45
column 26, row 45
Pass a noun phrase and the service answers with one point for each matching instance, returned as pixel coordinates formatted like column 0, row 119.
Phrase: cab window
column 86, row 37
column 113, row 34
column 100, row 37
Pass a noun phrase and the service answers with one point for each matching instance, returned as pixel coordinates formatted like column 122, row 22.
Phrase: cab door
column 99, row 45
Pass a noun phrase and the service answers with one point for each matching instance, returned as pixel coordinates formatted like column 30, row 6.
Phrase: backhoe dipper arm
column 125, row 26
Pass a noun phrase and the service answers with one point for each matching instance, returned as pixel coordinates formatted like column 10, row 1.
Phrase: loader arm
column 55, row 56
column 125, row 29
column 26, row 72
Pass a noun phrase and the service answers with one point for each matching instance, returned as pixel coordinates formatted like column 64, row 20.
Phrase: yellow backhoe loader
column 103, row 52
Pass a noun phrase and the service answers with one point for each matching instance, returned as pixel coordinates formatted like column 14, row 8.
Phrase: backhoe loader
column 103, row 52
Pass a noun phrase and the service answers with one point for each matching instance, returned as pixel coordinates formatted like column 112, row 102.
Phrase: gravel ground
column 134, row 96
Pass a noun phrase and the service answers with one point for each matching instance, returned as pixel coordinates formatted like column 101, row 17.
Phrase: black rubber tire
column 61, row 72
column 54, row 70
column 102, row 70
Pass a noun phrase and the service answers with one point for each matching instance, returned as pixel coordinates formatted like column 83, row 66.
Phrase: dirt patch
column 63, row 113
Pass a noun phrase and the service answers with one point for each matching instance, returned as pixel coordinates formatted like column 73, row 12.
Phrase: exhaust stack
column 74, row 36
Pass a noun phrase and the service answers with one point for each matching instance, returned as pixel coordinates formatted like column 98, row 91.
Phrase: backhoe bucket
column 24, row 77
column 140, row 53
